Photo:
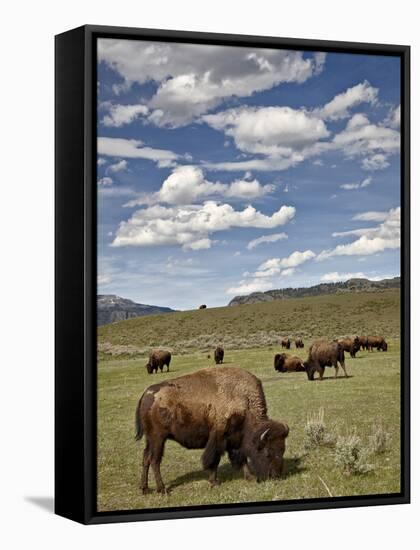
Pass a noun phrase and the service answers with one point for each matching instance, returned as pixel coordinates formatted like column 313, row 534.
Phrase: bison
column 299, row 343
column 377, row 342
column 324, row 354
column 203, row 306
column 219, row 353
column 157, row 360
column 285, row 343
column 363, row 342
column 218, row 410
column 288, row 363
column 351, row 345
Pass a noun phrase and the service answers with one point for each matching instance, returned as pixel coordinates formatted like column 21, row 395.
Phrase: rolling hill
column 352, row 285
column 255, row 325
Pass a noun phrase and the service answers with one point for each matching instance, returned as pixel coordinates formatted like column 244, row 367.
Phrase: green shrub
column 315, row 431
column 379, row 440
column 351, row 456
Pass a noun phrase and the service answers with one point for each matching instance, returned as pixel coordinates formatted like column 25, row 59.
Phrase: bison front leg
column 211, row 457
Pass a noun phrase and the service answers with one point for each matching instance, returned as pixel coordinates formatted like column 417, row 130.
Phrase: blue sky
column 224, row 171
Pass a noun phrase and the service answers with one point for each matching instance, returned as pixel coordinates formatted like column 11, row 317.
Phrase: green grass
column 371, row 396
column 254, row 325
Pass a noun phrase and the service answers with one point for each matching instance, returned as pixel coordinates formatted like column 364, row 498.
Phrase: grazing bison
column 157, row 360
column 203, row 306
column 285, row 343
column 377, row 342
column 288, row 363
column 351, row 345
column 299, row 343
column 217, row 410
column 324, row 354
column 363, row 342
column 219, row 353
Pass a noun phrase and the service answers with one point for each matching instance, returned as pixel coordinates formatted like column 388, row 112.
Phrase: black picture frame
column 75, row 274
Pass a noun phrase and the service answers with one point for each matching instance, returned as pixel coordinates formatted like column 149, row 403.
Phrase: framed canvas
column 232, row 274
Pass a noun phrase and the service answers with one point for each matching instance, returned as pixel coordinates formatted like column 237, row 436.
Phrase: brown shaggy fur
column 219, row 354
column 377, row 342
column 217, row 410
column 288, row 363
column 299, row 343
column 324, row 354
column 350, row 344
column 157, row 360
column 285, row 343
column 363, row 342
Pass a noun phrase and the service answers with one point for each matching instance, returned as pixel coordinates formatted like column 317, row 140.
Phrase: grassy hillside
column 255, row 325
column 367, row 399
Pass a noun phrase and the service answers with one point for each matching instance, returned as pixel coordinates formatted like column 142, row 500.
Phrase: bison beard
column 218, row 410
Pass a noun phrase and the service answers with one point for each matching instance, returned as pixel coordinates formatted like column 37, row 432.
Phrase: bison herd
column 323, row 353
column 224, row 410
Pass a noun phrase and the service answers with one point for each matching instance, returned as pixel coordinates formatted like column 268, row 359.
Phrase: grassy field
column 368, row 398
column 254, row 325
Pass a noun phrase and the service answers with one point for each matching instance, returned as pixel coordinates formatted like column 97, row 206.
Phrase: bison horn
column 263, row 435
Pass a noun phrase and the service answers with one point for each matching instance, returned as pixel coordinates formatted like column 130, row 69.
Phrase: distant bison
column 288, row 363
column 285, row 343
column 299, row 343
column 351, row 345
column 377, row 342
column 203, row 306
column 157, row 360
column 219, row 353
column 324, row 354
column 363, row 342
column 218, row 410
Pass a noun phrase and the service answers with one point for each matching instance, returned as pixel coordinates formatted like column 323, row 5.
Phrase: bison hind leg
column 343, row 366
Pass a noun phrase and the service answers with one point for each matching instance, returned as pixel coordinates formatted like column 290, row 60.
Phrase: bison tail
column 139, row 428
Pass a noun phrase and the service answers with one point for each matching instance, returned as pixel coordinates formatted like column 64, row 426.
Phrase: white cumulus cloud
column 335, row 277
column 135, row 149
column 269, row 272
column 266, row 239
column 191, row 226
column 118, row 166
column 359, row 185
column 186, row 184
column 371, row 240
column 339, row 106
column 119, row 115
column 193, row 78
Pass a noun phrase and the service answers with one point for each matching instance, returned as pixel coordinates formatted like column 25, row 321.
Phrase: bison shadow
column 226, row 472
column 340, row 376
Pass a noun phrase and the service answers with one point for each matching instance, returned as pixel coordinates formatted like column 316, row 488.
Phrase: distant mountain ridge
column 352, row 285
column 112, row 308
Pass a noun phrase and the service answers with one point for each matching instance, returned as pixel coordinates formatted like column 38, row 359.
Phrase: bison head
column 149, row 368
column 310, row 370
column 266, row 449
column 279, row 362
column 384, row 346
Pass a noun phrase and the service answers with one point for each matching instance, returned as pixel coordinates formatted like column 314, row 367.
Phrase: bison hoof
column 163, row 491
column 214, row 483
column 146, row 490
